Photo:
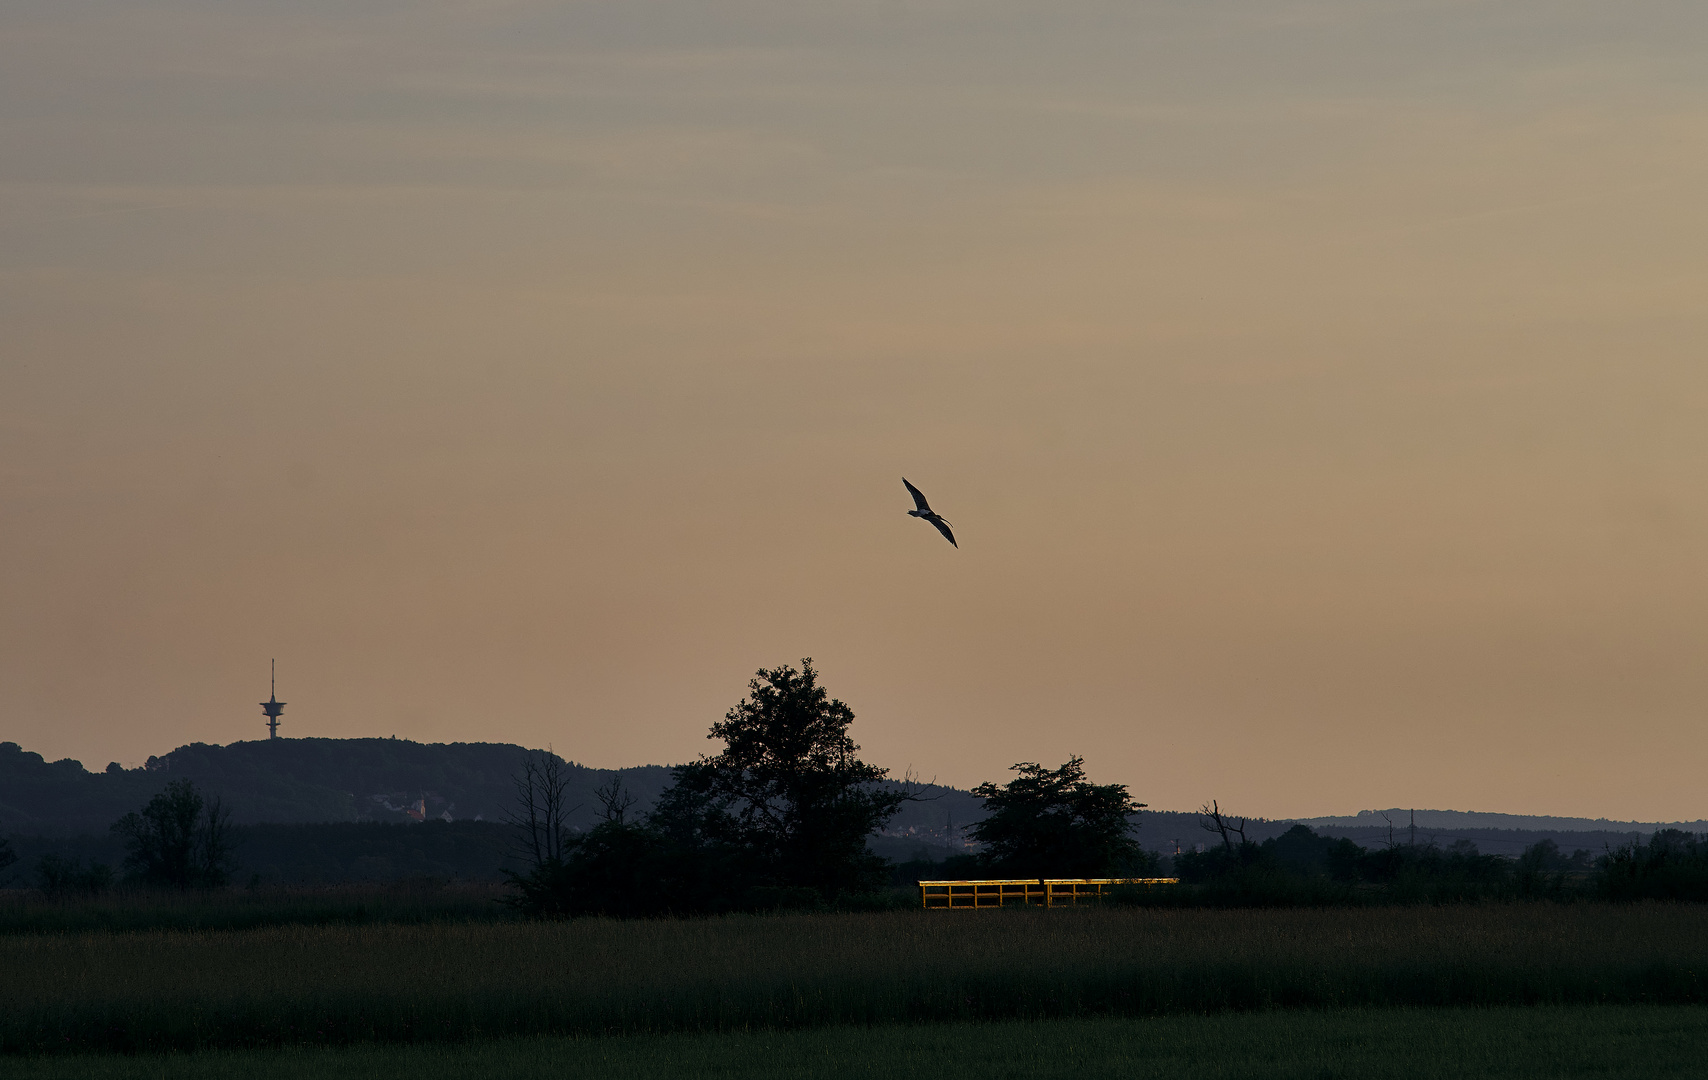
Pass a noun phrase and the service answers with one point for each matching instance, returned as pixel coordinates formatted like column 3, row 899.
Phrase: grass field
column 333, row 985
column 1649, row 1042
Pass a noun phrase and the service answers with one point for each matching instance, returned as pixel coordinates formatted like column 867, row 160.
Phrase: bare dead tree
column 614, row 800
column 539, row 816
column 1212, row 819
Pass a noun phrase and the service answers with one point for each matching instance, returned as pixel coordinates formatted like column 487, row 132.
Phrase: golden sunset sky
column 1318, row 389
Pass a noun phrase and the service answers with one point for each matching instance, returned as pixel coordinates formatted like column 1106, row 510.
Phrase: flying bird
column 922, row 509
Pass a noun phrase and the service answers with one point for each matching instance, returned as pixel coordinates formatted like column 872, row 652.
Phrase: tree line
column 179, row 840
column 780, row 816
column 779, row 819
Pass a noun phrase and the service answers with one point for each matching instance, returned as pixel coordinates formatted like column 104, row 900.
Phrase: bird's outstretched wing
column 919, row 502
column 943, row 527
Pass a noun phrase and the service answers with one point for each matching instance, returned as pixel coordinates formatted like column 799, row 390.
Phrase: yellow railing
column 1039, row 892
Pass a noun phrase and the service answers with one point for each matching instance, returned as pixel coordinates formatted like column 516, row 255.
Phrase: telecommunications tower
column 272, row 707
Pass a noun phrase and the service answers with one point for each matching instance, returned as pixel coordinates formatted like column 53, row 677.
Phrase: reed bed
column 342, row 984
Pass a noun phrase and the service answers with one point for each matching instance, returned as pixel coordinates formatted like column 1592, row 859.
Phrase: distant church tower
column 272, row 707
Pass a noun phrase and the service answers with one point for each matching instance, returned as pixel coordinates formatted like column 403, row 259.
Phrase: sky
column 1316, row 387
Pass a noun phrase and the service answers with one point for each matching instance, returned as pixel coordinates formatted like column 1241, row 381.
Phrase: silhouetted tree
column 179, row 839
column 665, row 863
column 787, row 791
column 618, row 867
column 779, row 818
column 1541, row 869
column 1056, row 823
column 1673, row 865
column 543, row 836
column 1211, row 819
column 1300, row 850
column 705, row 870
column 1297, row 867
column 539, row 816
column 615, row 801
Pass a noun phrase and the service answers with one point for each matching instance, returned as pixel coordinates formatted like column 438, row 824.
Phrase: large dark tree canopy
column 1056, row 823
column 172, row 841
column 788, row 788
column 779, row 818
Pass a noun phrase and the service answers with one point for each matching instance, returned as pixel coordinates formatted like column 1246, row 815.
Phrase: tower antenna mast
column 272, row 707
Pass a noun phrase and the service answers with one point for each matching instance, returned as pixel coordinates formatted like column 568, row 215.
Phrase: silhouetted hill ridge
column 312, row 780
column 297, row 780
column 1476, row 819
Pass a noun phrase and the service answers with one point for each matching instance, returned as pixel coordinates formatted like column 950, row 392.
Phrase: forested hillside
column 285, row 781
column 290, row 781
column 295, row 780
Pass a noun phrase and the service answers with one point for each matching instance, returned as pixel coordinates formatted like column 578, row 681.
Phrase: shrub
column 58, row 877
column 1673, row 865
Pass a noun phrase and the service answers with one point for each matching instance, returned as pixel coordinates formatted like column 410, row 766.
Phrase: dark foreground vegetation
column 1301, row 869
column 123, row 910
column 781, row 818
column 334, row 853
column 1536, row 1043
column 337, row 985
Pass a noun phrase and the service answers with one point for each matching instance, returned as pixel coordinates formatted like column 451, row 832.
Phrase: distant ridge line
column 1401, row 818
column 374, row 778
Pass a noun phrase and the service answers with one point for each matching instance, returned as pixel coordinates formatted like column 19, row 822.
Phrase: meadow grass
column 1503, row 1043
column 347, row 984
